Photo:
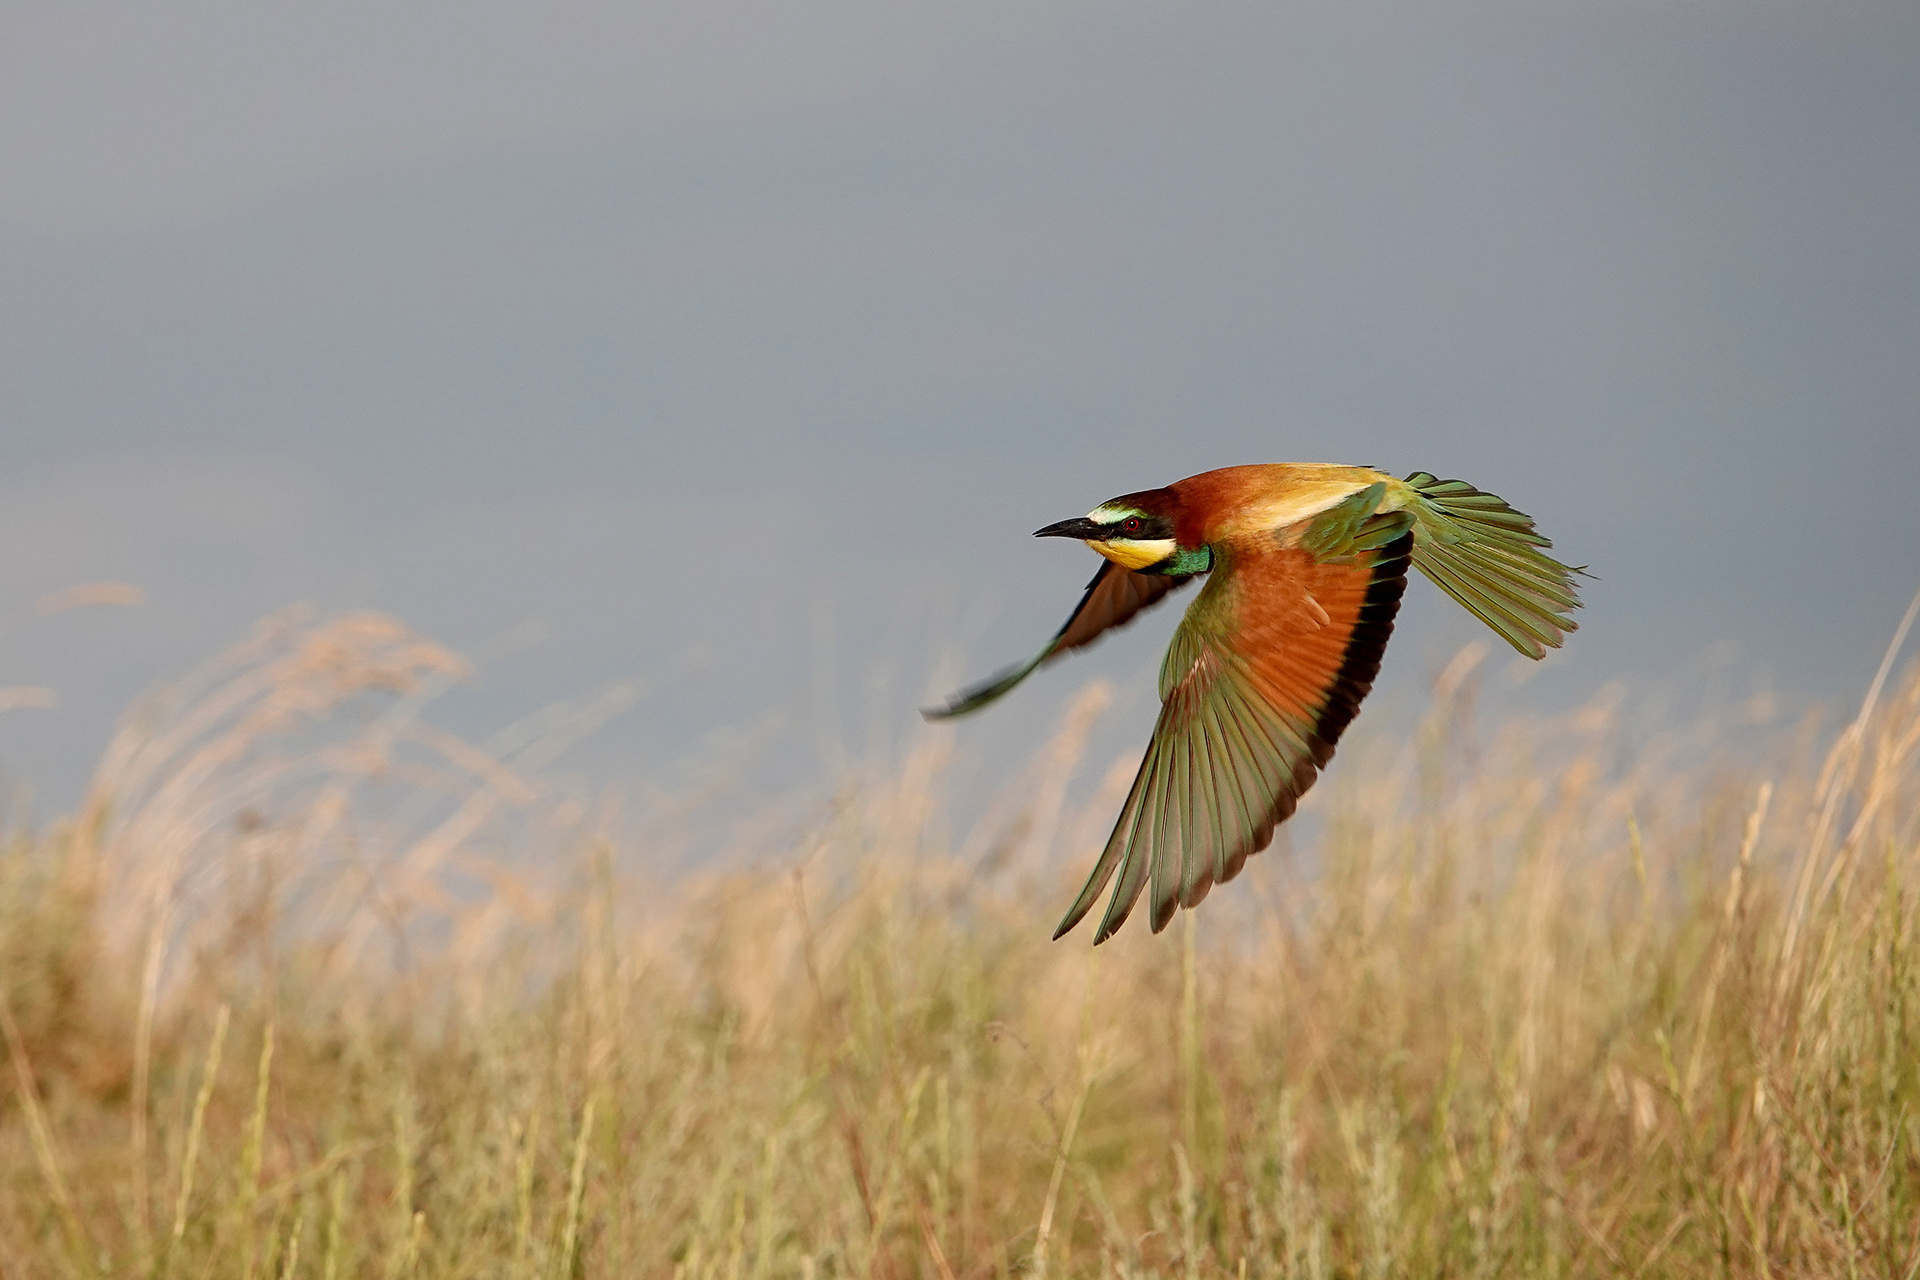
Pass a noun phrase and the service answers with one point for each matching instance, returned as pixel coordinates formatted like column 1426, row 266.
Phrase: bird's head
column 1139, row 532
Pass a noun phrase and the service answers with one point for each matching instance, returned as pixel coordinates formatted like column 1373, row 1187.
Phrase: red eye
column 1130, row 525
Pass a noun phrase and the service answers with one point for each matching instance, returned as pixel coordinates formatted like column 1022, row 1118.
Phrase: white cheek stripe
column 1111, row 514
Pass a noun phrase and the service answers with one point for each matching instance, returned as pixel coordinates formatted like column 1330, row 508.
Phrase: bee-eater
column 1306, row 563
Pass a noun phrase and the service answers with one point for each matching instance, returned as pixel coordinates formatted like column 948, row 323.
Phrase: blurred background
column 735, row 348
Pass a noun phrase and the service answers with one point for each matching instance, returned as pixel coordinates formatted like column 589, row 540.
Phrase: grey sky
column 683, row 328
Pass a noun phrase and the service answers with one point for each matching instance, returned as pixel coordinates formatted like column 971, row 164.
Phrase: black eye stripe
column 1144, row 528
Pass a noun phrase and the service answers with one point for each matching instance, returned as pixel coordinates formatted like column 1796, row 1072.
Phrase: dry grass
column 309, row 988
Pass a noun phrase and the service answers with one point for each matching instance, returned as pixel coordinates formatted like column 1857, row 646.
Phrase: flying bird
column 1305, row 565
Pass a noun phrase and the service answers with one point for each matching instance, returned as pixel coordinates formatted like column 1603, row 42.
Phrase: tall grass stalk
column 253, row 1154
column 196, row 1129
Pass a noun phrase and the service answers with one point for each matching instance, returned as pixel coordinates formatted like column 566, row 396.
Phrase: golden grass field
column 310, row 988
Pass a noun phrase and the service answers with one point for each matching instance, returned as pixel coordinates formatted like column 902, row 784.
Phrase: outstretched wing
column 1111, row 600
column 1486, row 555
column 1263, row 675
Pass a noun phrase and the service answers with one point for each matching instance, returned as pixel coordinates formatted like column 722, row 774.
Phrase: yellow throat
column 1135, row 555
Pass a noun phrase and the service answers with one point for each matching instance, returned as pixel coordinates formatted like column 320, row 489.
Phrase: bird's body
column 1306, row 563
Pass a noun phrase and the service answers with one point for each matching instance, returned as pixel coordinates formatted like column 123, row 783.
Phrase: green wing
column 1486, row 555
column 1112, row 599
column 1223, row 769
column 1264, row 674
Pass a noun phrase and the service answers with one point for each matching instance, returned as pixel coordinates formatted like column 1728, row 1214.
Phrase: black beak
column 1081, row 528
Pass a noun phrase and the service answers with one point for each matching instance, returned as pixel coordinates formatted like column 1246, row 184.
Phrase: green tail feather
column 1486, row 555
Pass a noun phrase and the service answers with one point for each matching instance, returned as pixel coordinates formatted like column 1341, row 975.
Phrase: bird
column 1305, row 566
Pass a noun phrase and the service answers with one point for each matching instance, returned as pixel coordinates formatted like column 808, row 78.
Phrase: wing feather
column 1140, row 833
column 1112, row 599
column 1204, row 866
column 1196, row 859
column 1250, row 809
